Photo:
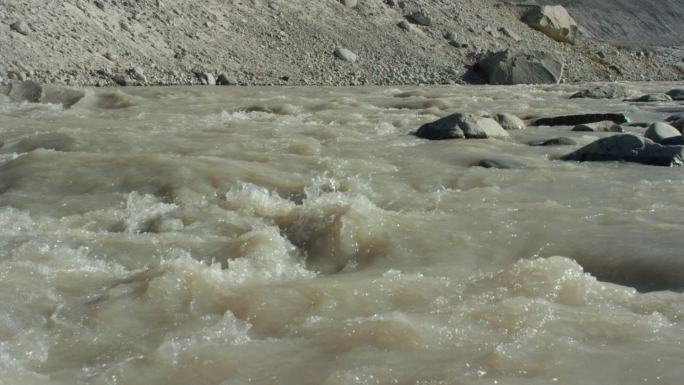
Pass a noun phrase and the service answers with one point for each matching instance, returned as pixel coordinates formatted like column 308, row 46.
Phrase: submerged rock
column 459, row 126
column 602, row 126
column 501, row 163
column 574, row 120
column 560, row 141
column 605, row 91
column 554, row 21
column 629, row 148
column 653, row 98
column 522, row 67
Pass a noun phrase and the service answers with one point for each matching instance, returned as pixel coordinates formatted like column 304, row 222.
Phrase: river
column 275, row 235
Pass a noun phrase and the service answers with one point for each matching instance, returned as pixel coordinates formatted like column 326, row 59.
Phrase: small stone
column 405, row 25
column 508, row 32
column 99, row 4
column 659, row 131
column 509, row 121
column 110, row 56
column 20, row 27
column 226, row 80
column 450, row 35
column 561, row 141
column 349, row 3
column 345, row 54
column 420, row 16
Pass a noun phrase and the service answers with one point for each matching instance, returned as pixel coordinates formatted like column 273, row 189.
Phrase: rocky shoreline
column 259, row 42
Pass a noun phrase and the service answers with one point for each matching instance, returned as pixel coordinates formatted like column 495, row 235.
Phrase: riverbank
column 106, row 43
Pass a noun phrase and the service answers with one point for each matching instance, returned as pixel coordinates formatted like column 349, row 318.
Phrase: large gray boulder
column 522, row 67
column 461, row 126
column 554, row 21
column 629, row 148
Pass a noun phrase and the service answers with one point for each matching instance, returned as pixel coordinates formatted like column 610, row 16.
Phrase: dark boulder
column 574, row 120
column 676, row 94
column 629, row 148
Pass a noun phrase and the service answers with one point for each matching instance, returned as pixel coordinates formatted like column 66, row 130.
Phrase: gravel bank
column 259, row 42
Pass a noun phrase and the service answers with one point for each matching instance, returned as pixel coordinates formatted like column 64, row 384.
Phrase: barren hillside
column 104, row 42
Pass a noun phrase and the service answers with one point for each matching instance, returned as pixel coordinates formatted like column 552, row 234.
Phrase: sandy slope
column 83, row 42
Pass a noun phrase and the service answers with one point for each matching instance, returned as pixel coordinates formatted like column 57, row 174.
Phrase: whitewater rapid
column 246, row 235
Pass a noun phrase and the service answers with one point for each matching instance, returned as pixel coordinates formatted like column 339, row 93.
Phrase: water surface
column 302, row 236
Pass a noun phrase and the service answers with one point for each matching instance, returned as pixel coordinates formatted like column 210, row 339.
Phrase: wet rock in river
column 602, row 126
column 674, row 118
column 65, row 96
column 459, row 126
column 629, row 148
column 501, row 164
column 678, row 124
column 561, row 141
column 659, row 131
column 509, row 121
column 649, row 98
column 25, row 91
column 521, row 67
column 605, row 91
column 676, row 94
column 573, row 120
column 52, row 141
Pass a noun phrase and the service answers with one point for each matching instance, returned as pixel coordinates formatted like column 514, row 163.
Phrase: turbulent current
column 303, row 236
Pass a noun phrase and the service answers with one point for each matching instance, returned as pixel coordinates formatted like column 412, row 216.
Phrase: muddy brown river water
column 302, row 236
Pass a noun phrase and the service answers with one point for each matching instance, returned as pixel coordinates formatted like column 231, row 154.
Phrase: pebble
column 20, row 27
column 345, row 54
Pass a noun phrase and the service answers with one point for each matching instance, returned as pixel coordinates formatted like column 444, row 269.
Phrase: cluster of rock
column 662, row 144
